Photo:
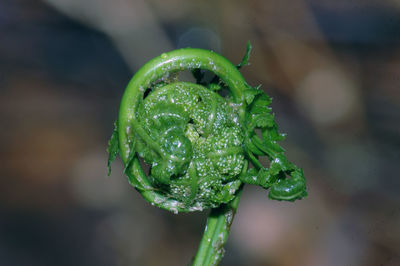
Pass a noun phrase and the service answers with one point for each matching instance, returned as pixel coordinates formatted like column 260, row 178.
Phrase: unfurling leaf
column 113, row 147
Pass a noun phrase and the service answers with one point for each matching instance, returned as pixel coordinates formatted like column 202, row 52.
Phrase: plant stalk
column 211, row 249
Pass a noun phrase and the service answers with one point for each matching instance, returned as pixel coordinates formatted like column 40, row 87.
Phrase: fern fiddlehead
column 198, row 144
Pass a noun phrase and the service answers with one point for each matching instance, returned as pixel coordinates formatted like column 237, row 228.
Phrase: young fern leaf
column 198, row 144
column 246, row 57
column 113, row 148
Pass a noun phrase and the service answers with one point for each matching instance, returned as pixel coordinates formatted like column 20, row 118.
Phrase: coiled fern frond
column 200, row 141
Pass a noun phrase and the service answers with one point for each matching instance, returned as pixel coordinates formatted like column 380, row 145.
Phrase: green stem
column 211, row 249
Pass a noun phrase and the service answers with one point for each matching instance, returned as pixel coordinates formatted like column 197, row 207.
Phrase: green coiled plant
column 201, row 141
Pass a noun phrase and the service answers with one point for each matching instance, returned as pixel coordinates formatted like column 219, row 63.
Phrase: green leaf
column 261, row 103
column 263, row 120
column 269, row 148
column 271, row 134
column 281, row 163
column 227, row 192
column 250, row 147
column 289, row 189
column 246, row 57
column 214, row 86
column 216, row 79
column 267, row 177
column 250, row 177
column 113, row 148
column 250, row 93
column 264, row 177
column 131, row 156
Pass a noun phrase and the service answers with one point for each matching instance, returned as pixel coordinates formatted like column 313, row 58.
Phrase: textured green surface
column 198, row 144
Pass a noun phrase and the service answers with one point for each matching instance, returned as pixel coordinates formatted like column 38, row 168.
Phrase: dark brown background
column 333, row 68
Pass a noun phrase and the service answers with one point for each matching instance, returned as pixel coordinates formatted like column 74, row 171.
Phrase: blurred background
column 332, row 67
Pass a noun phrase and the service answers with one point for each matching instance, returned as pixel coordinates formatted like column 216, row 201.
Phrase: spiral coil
column 199, row 145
